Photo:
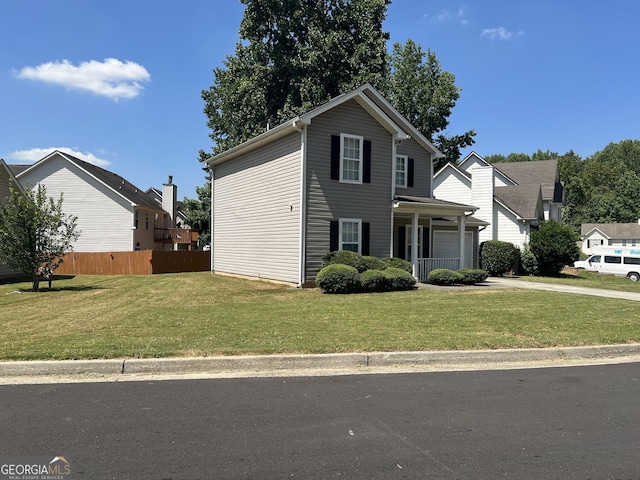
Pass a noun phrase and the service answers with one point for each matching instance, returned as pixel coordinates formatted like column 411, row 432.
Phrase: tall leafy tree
column 425, row 94
column 292, row 56
column 34, row 232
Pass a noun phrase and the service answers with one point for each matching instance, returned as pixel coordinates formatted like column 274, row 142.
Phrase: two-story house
column 350, row 174
column 113, row 214
column 511, row 197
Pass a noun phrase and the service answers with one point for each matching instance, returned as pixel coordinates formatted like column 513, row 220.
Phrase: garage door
column 445, row 245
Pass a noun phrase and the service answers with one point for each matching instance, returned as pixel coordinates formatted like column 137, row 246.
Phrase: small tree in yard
column 34, row 232
column 554, row 246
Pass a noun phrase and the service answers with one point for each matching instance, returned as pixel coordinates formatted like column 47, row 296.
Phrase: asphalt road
column 553, row 423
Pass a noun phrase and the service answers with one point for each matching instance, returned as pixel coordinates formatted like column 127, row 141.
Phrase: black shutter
column 365, row 237
column 410, row 173
column 335, row 157
column 334, row 230
column 402, row 241
column 366, row 169
column 425, row 242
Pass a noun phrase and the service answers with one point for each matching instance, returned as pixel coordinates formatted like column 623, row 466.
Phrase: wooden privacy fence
column 141, row 262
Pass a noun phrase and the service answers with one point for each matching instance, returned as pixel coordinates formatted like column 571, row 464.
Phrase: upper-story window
column 351, row 158
column 401, row 170
column 146, row 221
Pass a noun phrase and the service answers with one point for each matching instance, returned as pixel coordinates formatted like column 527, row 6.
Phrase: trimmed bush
column 471, row 276
column 345, row 257
column 338, row 278
column 400, row 279
column 498, row 257
column 395, row 262
column 444, row 276
column 554, row 245
column 528, row 261
column 373, row 263
column 375, row 281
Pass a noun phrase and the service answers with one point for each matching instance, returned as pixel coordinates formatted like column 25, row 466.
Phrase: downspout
column 302, row 278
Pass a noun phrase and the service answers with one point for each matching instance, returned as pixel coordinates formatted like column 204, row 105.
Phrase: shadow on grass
column 44, row 284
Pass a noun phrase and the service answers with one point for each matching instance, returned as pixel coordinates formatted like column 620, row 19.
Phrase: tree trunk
column 35, row 281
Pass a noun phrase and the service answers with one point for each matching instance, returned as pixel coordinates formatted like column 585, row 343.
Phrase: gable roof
column 366, row 96
column 612, row 230
column 111, row 180
column 6, row 172
column 523, row 200
column 541, row 172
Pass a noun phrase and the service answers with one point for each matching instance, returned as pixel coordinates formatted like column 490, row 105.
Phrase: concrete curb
column 340, row 361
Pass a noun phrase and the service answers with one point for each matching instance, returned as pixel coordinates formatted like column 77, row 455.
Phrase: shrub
column 345, row 257
column 338, row 278
column 528, row 261
column 444, row 276
column 498, row 257
column 471, row 276
column 554, row 246
column 400, row 279
column 395, row 262
column 373, row 263
column 375, row 281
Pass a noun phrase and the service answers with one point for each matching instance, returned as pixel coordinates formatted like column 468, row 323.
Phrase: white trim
column 303, row 206
column 343, row 137
column 341, row 221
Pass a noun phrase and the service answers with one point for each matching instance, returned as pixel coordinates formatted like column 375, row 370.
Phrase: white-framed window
column 351, row 158
column 350, row 234
column 409, row 241
column 400, row 170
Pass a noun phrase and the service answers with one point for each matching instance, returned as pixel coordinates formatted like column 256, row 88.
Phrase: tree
column 554, row 246
column 294, row 55
column 198, row 211
column 498, row 257
column 425, row 94
column 34, row 232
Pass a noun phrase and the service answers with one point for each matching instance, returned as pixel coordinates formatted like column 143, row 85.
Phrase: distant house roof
column 523, row 200
column 113, row 181
column 542, row 172
column 612, row 230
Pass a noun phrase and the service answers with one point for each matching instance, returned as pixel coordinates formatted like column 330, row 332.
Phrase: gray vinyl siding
column 422, row 169
column 105, row 219
column 329, row 199
column 256, row 210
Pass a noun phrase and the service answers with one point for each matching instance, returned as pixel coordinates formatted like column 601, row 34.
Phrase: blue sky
column 119, row 83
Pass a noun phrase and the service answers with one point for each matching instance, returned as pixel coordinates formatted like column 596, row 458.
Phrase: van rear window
column 632, row 260
column 612, row 259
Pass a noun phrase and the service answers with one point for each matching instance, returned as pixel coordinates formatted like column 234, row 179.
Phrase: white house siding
column 256, row 210
column 105, row 219
column 452, row 186
column 510, row 229
column 595, row 239
column 483, row 178
column 329, row 199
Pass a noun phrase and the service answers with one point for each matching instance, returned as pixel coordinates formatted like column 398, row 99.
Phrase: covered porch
column 445, row 234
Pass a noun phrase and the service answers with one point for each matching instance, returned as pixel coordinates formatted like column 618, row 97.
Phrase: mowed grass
column 200, row 314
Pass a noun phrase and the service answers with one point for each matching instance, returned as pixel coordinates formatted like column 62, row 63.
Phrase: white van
column 619, row 261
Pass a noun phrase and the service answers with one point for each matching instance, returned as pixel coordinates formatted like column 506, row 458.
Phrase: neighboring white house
column 609, row 234
column 7, row 178
column 511, row 197
column 113, row 214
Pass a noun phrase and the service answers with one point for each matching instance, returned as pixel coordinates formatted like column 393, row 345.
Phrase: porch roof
column 431, row 206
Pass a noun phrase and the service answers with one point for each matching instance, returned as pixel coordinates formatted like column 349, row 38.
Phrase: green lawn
column 583, row 278
column 199, row 314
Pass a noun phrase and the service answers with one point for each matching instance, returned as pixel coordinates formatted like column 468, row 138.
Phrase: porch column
column 414, row 244
column 461, row 230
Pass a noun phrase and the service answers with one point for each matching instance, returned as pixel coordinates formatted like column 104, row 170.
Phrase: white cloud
column 499, row 33
column 446, row 15
column 35, row 154
column 111, row 78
